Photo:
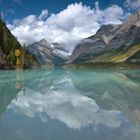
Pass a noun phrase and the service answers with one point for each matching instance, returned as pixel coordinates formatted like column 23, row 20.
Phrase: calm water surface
column 62, row 104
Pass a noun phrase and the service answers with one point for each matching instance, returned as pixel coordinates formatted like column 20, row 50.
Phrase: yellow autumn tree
column 18, row 59
column 17, row 53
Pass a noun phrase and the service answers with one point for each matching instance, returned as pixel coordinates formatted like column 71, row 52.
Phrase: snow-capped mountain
column 47, row 53
column 60, row 50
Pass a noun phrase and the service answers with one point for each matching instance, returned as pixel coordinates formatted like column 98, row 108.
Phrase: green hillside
column 123, row 54
column 8, row 47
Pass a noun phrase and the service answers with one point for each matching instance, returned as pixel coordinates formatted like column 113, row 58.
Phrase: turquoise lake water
column 59, row 104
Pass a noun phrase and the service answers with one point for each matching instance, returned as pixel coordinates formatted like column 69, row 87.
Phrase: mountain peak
column 43, row 41
column 107, row 29
column 133, row 19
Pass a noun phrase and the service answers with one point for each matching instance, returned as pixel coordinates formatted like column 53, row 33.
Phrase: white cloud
column 74, row 110
column 69, row 26
column 133, row 4
column 43, row 15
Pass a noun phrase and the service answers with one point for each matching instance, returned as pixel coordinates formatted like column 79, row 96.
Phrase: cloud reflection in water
column 68, row 106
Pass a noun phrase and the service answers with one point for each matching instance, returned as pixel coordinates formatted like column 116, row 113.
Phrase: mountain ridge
column 111, row 44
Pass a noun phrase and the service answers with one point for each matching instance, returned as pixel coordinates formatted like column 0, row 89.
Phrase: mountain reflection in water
column 70, row 104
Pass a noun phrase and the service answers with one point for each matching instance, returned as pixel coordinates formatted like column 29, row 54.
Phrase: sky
column 62, row 21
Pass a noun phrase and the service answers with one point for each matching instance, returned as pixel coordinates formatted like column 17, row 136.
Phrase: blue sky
column 63, row 21
column 14, row 9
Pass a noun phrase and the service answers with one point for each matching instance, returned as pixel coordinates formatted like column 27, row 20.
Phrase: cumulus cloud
column 133, row 4
column 43, row 15
column 74, row 110
column 74, row 23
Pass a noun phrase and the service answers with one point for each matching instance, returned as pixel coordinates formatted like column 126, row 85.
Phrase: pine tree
column 5, row 41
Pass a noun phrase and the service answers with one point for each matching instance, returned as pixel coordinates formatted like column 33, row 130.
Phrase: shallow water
column 60, row 104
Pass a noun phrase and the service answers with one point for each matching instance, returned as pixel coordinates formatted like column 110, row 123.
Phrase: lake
column 60, row 104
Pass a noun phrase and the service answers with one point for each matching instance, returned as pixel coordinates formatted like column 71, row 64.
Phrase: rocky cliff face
column 111, row 43
column 93, row 45
column 8, row 46
column 46, row 53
